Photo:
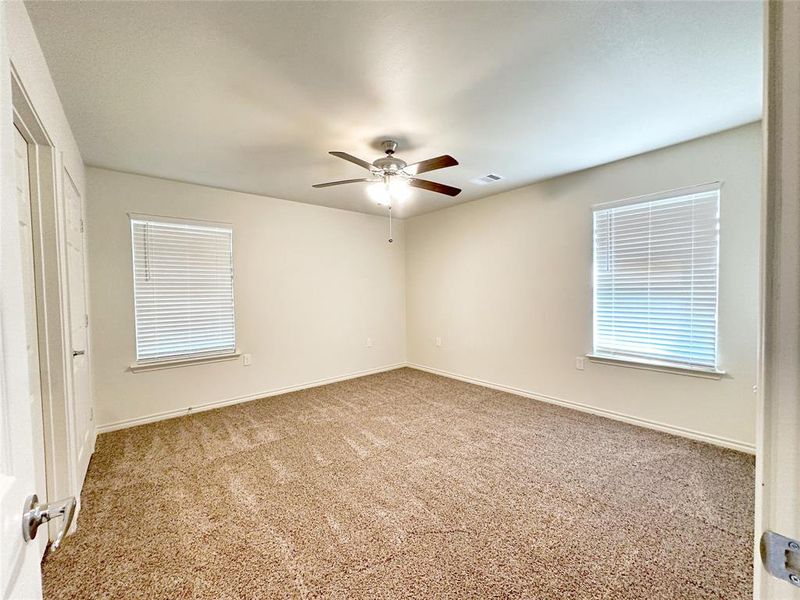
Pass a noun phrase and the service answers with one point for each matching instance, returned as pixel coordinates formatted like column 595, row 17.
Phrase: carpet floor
column 407, row 485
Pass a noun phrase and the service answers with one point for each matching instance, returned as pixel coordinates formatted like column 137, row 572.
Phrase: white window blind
column 183, row 289
column 655, row 278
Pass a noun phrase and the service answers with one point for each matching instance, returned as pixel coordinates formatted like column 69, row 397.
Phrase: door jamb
column 778, row 414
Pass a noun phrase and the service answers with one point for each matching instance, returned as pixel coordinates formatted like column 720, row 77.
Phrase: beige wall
column 311, row 284
column 506, row 283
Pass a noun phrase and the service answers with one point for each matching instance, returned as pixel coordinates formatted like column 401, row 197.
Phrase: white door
column 22, row 451
column 78, row 322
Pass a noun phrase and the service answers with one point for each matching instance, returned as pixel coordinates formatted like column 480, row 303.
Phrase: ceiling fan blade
column 434, row 187
column 353, row 159
column 440, row 162
column 343, row 181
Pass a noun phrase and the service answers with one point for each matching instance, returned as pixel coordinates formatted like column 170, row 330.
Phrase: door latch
column 35, row 514
column 781, row 556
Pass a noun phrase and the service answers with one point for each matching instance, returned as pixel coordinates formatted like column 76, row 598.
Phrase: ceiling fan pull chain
column 390, row 224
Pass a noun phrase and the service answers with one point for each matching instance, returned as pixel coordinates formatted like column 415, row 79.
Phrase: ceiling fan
column 392, row 177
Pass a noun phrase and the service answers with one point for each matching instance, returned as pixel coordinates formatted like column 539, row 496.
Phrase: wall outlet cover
column 247, row 359
column 580, row 363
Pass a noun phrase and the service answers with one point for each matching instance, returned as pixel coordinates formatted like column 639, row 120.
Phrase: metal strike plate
column 781, row 556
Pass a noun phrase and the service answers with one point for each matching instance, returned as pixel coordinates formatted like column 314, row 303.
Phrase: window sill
column 182, row 362
column 663, row 367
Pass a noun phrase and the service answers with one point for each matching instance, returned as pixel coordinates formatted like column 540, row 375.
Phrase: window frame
column 172, row 361
column 709, row 372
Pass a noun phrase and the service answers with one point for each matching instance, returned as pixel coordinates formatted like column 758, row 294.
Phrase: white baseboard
column 180, row 412
column 602, row 412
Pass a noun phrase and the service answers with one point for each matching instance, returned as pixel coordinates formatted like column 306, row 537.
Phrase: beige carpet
column 407, row 485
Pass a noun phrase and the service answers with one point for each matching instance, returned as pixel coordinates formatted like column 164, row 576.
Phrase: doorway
column 51, row 246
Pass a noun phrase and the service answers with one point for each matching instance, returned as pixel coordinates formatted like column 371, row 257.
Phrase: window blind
column 183, row 289
column 655, row 279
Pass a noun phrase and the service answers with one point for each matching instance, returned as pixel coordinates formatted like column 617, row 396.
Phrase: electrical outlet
column 247, row 359
column 438, row 342
column 580, row 363
column 369, row 342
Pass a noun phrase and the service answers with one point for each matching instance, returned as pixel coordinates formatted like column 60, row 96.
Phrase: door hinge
column 81, row 225
column 86, row 320
column 781, row 556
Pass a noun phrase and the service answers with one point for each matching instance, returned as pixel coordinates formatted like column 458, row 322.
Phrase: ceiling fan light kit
column 389, row 189
column 392, row 178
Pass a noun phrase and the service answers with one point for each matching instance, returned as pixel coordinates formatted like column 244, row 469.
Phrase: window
column 655, row 278
column 183, row 289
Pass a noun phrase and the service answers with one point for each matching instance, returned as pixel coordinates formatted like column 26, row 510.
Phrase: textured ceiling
column 251, row 96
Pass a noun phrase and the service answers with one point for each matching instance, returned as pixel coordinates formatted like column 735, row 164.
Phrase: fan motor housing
column 390, row 163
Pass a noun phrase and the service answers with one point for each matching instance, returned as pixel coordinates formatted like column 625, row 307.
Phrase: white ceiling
column 251, row 96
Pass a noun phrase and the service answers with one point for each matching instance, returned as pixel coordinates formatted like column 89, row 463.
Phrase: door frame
column 777, row 492
column 46, row 189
